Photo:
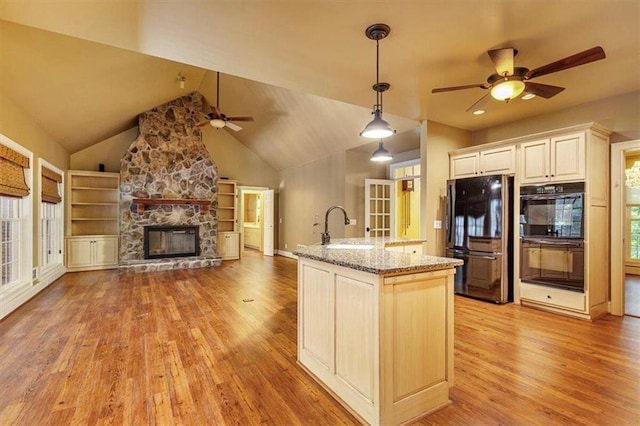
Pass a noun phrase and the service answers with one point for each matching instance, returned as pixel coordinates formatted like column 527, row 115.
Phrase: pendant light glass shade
column 377, row 128
column 217, row 123
column 380, row 155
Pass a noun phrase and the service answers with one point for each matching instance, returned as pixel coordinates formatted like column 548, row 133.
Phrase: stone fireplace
column 168, row 180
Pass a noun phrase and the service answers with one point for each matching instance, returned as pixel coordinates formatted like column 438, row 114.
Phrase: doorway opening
column 256, row 220
column 625, row 231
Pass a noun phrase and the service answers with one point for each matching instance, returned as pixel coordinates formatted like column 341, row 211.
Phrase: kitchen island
column 375, row 326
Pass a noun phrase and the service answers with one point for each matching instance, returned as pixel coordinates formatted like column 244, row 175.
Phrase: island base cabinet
column 383, row 346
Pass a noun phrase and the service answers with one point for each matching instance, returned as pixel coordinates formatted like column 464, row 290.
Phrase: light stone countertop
column 376, row 259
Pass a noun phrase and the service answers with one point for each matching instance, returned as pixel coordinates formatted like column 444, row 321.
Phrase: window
column 15, row 218
column 10, row 242
column 51, row 226
column 633, row 233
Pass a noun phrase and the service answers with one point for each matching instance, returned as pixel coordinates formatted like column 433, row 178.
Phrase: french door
column 379, row 208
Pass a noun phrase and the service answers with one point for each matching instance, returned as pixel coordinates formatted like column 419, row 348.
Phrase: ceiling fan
column 217, row 119
column 509, row 82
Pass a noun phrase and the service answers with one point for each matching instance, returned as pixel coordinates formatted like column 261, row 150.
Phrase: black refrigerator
column 479, row 231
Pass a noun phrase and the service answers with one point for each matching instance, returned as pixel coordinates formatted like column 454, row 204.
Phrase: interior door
column 379, row 208
column 267, row 196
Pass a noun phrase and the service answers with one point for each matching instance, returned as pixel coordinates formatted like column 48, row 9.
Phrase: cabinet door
column 105, row 251
column 79, row 253
column 464, row 165
column 229, row 245
column 534, row 161
column 568, row 157
column 498, row 161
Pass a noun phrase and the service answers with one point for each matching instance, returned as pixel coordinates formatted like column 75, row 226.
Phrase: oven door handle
column 482, row 256
column 552, row 243
column 538, row 197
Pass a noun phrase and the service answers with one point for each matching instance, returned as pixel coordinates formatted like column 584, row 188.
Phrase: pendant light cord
column 218, row 89
column 378, row 101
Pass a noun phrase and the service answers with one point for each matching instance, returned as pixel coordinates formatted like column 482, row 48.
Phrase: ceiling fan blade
column 468, row 86
column 479, row 103
column 543, row 90
column 589, row 55
column 245, row 118
column 503, row 60
column 232, row 126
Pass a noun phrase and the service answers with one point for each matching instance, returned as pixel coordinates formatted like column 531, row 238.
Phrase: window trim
column 44, row 270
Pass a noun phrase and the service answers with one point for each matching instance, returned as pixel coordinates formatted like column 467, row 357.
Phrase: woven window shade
column 50, row 181
column 12, row 165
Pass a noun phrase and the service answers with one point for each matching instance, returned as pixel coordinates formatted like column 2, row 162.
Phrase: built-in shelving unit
column 92, row 220
column 228, row 235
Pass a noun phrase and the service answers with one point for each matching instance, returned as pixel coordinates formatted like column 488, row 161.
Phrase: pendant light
column 381, row 155
column 378, row 127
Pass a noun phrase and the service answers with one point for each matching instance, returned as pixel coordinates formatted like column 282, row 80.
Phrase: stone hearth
column 168, row 161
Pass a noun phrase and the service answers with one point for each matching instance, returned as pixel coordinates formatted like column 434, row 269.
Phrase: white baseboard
column 10, row 301
column 286, row 254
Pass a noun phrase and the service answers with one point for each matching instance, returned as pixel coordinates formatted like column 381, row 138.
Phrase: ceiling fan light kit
column 509, row 82
column 507, row 89
column 381, row 155
column 378, row 128
column 217, row 123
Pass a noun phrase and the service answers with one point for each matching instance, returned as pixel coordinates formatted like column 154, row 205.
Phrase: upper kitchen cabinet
column 494, row 161
column 555, row 159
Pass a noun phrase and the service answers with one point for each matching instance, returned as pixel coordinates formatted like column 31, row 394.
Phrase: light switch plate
column 437, row 224
column 353, row 222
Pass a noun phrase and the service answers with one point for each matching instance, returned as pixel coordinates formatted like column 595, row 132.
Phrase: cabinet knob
column 548, row 296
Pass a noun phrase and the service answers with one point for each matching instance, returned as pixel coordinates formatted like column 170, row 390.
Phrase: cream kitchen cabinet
column 500, row 160
column 88, row 253
column 555, row 159
column 229, row 245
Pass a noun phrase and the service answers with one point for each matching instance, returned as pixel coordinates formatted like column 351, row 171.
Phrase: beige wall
column 108, row 152
column 618, row 114
column 359, row 167
column 236, row 161
column 439, row 140
column 305, row 193
column 20, row 128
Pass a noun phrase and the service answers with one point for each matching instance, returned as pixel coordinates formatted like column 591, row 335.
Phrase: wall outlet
column 280, row 220
column 353, row 222
column 286, row 245
column 437, row 224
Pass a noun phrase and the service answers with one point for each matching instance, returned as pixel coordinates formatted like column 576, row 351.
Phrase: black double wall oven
column 552, row 235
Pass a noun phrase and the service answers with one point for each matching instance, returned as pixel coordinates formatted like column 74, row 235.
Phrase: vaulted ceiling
column 304, row 70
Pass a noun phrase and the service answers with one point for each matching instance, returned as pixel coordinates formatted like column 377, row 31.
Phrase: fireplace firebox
column 171, row 241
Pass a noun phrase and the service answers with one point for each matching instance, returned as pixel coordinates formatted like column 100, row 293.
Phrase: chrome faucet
column 326, row 238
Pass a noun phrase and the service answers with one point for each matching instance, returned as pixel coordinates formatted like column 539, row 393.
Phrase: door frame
column 618, row 153
column 253, row 189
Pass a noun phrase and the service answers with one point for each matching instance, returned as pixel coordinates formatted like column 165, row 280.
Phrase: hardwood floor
column 632, row 295
column 218, row 346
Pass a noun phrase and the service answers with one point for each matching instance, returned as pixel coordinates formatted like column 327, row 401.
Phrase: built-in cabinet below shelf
column 92, row 220
column 228, row 235
column 88, row 253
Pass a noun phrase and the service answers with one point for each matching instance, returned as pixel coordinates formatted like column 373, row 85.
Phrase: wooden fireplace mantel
column 142, row 202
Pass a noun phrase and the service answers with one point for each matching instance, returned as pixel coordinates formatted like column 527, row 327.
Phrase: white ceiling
column 303, row 69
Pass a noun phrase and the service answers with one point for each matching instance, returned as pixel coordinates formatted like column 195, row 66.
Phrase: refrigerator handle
column 448, row 212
